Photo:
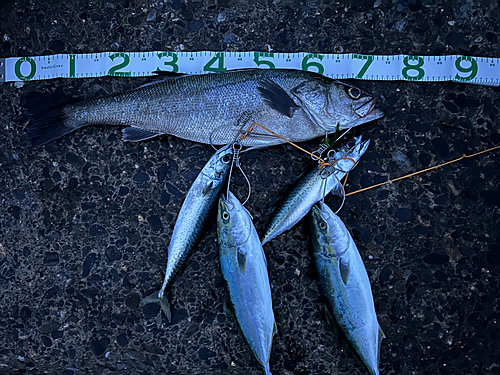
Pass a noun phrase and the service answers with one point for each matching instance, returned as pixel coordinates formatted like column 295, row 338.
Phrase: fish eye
column 322, row 225
column 354, row 93
column 225, row 215
column 226, row 159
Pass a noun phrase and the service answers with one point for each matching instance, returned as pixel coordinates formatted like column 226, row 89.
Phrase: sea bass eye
column 354, row 93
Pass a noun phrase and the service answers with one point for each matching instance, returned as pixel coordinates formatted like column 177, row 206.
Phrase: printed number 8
column 472, row 68
column 417, row 67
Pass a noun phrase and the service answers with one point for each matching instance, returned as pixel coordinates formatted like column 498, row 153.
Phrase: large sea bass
column 215, row 108
column 345, row 283
column 244, row 267
column 200, row 199
column 312, row 187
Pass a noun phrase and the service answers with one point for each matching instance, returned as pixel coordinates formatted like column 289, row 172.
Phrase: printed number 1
column 369, row 60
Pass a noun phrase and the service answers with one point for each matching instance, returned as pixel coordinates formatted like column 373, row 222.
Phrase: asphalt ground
column 85, row 220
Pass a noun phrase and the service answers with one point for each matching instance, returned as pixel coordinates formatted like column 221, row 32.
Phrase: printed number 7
column 369, row 60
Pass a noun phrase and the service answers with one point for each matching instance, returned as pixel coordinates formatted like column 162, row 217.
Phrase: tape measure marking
column 456, row 68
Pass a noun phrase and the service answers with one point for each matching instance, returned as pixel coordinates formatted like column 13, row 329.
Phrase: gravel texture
column 85, row 221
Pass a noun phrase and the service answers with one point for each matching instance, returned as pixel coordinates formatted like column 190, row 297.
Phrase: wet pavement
column 85, row 220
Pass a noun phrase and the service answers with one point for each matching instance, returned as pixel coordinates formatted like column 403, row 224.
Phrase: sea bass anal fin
column 242, row 262
column 162, row 301
column 133, row 134
column 277, row 98
column 345, row 271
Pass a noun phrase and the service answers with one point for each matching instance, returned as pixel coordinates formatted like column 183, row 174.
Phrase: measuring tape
column 456, row 68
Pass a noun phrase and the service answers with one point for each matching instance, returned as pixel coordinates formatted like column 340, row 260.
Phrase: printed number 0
column 472, row 68
column 417, row 67
column 17, row 68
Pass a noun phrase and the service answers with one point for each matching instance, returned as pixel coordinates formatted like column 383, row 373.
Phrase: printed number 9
column 472, row 68
column 306, row 64
column 417, row 67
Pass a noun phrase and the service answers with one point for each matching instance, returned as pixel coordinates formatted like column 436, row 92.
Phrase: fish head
column 349, row 154
column 330, row 103
column 233, row 220
column 319, row 224
column 218, row 165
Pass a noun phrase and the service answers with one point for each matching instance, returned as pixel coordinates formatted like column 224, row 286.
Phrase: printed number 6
column 306, row 64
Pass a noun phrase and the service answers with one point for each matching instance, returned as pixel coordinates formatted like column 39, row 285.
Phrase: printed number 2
column 220, row 66
column 113, row 70
column 417, row 67
column 472, row 68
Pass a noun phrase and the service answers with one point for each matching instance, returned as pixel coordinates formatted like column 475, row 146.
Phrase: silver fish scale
column 351, row 301
column 195, row 210
column 198, row 106
column 311, row 188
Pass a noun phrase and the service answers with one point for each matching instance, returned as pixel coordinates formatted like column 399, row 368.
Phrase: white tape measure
column 457, row 68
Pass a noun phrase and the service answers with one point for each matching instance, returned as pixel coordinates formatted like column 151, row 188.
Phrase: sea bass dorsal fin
column 344, row 270
column 277, row 98
column 133, row 134
column 242, row 262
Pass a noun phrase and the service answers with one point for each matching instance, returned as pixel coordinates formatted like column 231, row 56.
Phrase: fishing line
column 413, row 68
column 464, row 156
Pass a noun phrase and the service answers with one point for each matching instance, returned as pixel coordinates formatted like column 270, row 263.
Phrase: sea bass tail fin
column 162, row 301
column 48, row 118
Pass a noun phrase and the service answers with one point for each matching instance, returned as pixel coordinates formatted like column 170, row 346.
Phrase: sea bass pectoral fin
column 154, row 298
column 133, row 134
column 277, row 98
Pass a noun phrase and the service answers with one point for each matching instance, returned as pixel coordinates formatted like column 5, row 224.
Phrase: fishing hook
column 236, row 162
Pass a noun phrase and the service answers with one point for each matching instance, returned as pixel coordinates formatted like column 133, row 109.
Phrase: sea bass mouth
column 367, row 110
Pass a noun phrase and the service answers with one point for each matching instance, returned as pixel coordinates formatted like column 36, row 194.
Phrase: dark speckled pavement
column 85, row 221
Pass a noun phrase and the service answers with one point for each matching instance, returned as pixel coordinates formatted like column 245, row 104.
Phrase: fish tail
column 49, row 120
column 267, row 369
column 162, row 301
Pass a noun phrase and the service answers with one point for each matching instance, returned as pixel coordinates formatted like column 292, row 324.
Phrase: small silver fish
column 199, row 201
column 311, row 188
column 345, row 283
column 244, row 267
column 216, row 108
